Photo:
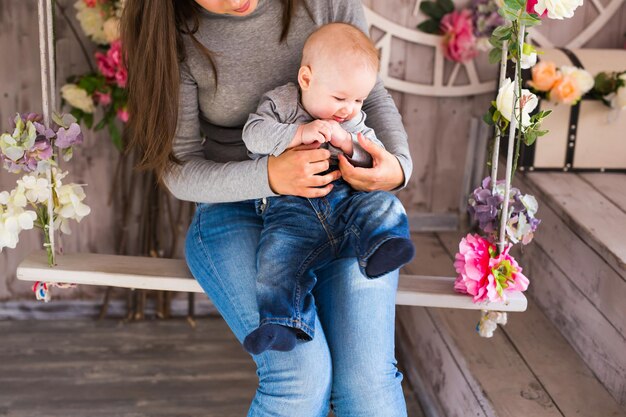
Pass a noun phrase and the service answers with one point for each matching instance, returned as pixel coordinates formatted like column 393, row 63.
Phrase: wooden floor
column 85, row 368
column 528, row 369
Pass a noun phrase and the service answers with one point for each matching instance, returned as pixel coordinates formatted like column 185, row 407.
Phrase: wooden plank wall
column 437, row 127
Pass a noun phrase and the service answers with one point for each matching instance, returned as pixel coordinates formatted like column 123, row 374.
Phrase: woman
column 196, row 70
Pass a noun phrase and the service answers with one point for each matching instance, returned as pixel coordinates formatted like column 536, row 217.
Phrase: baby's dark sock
column 390, row 256
column 270, row 337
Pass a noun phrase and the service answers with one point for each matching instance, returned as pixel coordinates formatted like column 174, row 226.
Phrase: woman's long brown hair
column 152, row 38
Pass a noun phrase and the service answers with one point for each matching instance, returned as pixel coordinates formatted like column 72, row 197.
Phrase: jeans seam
column 289, row 321
column 303, row 267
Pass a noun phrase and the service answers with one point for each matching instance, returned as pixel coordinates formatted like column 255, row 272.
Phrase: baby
column 338, row 71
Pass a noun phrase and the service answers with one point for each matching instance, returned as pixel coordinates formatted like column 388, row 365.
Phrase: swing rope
column 511, row 144
column 48, row 96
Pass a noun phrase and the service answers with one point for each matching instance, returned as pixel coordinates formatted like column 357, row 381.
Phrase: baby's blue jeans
column 301, row 235
column 350, row 363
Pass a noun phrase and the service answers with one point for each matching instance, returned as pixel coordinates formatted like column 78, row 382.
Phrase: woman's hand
column 293, row 172
column 386, row 173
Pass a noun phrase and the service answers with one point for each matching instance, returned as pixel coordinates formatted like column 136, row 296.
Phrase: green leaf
column 508, row 13
column 77, row 113
column 430, row 26
column 502, row 32
column 88, row 119
column 495, row 55
column 446, row 5
column 545, row 113
column 101, row 124
column 529, row 20
column 56, row 118
column 488, row 118
column 516, row 5
column 89, row 84
column 432, row 9
column 116, row 136
column 529, row 137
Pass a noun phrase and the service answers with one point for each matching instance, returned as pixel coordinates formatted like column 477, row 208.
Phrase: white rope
column 496, row 142
column 47, row 66
column 511, row 144
column 51, row 55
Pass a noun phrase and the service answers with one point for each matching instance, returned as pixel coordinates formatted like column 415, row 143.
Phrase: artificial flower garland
column 106, row 87
column 486, row 270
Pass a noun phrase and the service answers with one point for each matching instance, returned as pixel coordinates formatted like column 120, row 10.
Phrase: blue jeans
column 350, row 362
column 301, row 235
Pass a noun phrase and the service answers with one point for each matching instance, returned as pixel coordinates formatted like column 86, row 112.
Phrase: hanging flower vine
column 486, row 270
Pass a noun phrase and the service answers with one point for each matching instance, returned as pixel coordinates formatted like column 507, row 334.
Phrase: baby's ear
column 304, row 77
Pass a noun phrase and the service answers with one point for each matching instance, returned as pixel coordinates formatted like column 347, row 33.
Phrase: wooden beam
column 173, row 275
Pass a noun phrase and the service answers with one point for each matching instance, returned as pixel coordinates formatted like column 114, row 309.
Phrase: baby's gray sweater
column 250, row 61
column 272, row 127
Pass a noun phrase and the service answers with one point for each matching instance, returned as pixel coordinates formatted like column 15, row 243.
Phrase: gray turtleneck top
column 251, row 61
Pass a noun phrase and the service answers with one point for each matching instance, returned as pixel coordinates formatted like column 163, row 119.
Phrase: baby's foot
column 390, row 256
column 270, row 337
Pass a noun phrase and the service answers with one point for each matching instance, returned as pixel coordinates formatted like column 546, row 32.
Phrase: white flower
column 584, row 80
column 111, row 29
column 517, row 228
column 529, row 60
column 531, row 205
column 91, row 21
column 529, row 56
column 557, row 9
column 619, row 101
column 489, row 322
column 37, row 190
column 70, row 198
column 17, row 198
column 504, row 102
column 13, row 219
column 77, row 97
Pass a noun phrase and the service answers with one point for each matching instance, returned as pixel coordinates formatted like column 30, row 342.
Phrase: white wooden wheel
column 437, row 88
column 475, row 86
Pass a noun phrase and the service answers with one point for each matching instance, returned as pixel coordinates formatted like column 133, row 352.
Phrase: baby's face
column 336, row 92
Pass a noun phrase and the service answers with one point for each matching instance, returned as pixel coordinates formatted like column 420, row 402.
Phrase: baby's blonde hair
column 340, row 39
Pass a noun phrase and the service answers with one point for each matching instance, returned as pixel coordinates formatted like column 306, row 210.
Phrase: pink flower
column 105, row 65
column 102, row 98
column 472, row 265
column 90, row 3
column 530, row 8
column 505, row 276
column 111, row 64
column 459, row 42
column 122, row 114
column 121, row 76
column 485, row 274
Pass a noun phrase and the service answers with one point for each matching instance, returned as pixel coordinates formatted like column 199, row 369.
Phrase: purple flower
column 44, row 131
column 26, row 117
column 485, row 208
column 485, row 17
column 41, row 151
column 69, row 137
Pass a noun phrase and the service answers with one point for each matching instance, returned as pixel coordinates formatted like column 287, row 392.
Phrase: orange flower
column 545, row 76
column 565, row 91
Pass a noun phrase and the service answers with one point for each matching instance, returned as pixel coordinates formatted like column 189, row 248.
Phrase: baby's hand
column 316, row 131
column 340, row 138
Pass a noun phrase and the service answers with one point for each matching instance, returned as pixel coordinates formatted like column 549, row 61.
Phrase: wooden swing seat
column 173, row 275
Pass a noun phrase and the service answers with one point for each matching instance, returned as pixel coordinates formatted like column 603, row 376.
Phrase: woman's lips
column 243, row 8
